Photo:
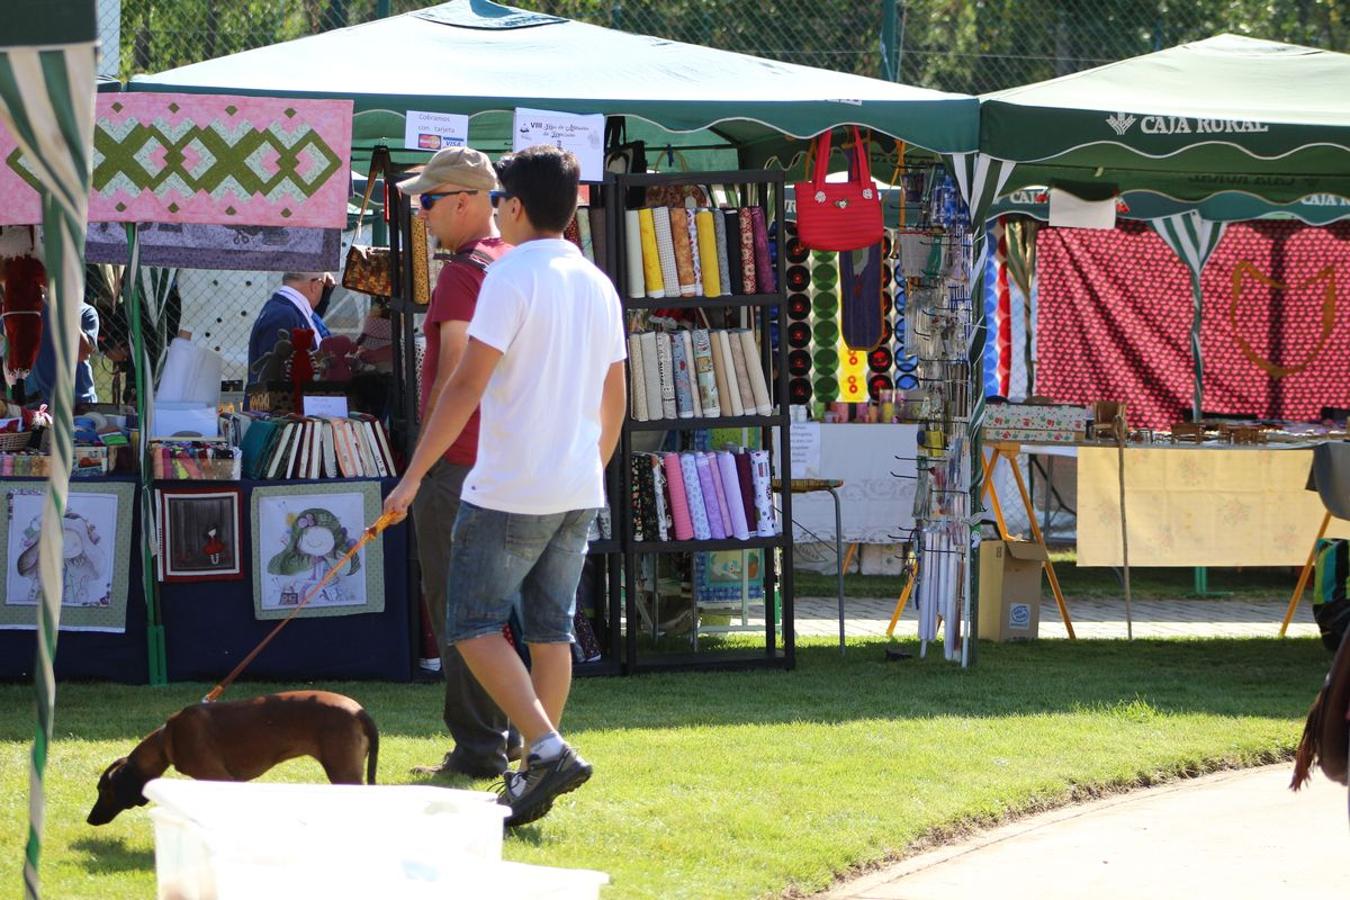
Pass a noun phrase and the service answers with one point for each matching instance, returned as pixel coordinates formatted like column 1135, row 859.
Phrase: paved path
column 819, row 617
column 1235, row 835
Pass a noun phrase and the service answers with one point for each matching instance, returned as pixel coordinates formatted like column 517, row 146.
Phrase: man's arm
column 454, row 337
column 88, row 333
column 612, row 404
column 456, row 404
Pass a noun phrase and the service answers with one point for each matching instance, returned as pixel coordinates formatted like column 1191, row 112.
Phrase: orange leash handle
column 383, row 522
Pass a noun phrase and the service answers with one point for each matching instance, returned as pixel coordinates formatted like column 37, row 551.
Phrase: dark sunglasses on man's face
column 498, row 196
column 429, row 200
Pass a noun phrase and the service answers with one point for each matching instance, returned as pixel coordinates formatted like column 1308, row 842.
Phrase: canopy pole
column 154, row 626
column 1197, row 311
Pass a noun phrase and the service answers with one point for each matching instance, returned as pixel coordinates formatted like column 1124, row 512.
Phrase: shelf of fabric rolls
column 731, row 302
column 710, row 341
column 698, row 423
column 751, row 543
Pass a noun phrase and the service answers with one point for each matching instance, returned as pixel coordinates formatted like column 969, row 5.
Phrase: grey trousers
column 479, row 728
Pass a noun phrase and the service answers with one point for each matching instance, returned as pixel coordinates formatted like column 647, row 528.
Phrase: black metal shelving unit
column 779, row 650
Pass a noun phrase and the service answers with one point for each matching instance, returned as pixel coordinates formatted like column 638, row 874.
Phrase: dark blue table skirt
column 89, row 654
column 210, row 626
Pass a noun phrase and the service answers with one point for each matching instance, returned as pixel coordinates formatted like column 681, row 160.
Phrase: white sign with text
column 435, row 131
column 583, row 135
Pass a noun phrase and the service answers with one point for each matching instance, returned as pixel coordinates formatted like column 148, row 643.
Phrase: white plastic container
column 225, row 841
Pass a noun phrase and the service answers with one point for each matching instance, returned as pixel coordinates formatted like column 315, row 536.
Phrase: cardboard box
column 1010, row 590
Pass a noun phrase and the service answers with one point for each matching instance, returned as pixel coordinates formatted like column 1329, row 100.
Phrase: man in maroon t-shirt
column 452, row 193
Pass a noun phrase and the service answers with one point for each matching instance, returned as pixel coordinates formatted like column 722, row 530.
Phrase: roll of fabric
column 651, row 375
column 704, row 374
column 636, row 501
column 734, row 267
column 707, row 252
column 720, row 490
column 632, row 247
column 733, row 393
column 646, row 482
column 708, row 486
column 573, row 232
column 598, row 237
column 759, row 471
column 724, row 399
column 684, row 252
column 765, row 278
column 679, row 500
column 720, row 228
column 584, row 228
column 759, row 387
column 637, row 378
column 731, row 487
column 687, row 338
column 651, row 262
column 684, row 387
column 746, row 479
column 665, row 367
column 742, row 370
column 748, row 252
column 691, row 225
column 698, row 511
column 665, row 249
column 657, row 466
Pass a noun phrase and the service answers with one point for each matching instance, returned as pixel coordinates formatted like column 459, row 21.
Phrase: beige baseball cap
column 463, row 166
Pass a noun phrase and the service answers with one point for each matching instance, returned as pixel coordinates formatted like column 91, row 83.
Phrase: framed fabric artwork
column 199, row 536
column 97, row 551
column 299, row 533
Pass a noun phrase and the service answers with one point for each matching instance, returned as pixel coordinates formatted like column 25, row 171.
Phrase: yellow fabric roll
column 707, row 252
column 651, row 261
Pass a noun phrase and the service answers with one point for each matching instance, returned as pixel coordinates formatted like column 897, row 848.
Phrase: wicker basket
column 13, row 441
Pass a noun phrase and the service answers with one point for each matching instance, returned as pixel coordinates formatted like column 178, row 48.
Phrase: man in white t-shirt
column 545, row 363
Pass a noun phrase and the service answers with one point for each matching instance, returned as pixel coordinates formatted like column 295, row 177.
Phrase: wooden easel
column 1306, row 574
column 1009, row 452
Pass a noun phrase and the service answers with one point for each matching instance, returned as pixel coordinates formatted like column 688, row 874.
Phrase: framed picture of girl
column 199, row 534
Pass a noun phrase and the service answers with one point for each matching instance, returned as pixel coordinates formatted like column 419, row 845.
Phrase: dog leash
column 383, row 522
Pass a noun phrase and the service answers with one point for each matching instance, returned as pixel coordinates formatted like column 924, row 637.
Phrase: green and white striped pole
column 133, row 300
column 47, row 59
column 980, row 179
column 1193, row 240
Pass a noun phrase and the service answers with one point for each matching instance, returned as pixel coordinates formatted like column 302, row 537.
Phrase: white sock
column 550, row 746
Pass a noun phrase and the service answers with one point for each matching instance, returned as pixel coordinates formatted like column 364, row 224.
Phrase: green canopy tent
column 1202, row 133
column 47, row 59
column 482, row 59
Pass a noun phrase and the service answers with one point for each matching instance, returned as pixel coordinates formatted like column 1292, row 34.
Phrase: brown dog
column 241, row 740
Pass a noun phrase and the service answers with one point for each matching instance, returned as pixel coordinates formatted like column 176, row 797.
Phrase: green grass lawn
column 755, row 783
column 1089, row 583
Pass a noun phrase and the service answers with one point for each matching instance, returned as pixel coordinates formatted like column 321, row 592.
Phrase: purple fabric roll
column 720, row 490
column 731, row 487
column 764, row 274
column 744, row 476
column 708, row 485
column 698, row 511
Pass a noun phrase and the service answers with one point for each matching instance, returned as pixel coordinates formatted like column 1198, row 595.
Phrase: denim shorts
column 498, row 554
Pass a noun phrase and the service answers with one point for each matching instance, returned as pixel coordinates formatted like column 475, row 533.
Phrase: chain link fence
column 970, row 46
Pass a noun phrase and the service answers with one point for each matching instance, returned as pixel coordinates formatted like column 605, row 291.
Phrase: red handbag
column 839, row 215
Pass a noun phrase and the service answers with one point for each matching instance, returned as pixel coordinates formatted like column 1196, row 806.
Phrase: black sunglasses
column 429, row 200
column 498, row 196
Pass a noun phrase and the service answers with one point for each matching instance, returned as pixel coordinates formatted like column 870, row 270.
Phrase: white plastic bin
column 223, row 840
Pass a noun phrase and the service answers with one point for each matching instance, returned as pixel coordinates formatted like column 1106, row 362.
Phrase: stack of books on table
column 298, row 447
